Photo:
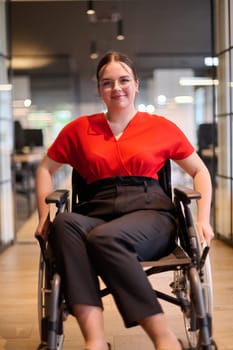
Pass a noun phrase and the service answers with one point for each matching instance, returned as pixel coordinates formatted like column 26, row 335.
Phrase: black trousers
column 88, row 246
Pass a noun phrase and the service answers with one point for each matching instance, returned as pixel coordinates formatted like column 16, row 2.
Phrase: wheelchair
column 191, row 286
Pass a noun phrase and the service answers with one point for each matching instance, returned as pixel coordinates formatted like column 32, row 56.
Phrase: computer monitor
column 33, row 138
column 18, row 136
column 207, row 136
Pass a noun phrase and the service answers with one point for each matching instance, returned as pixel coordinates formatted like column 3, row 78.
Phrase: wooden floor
column 18, row 302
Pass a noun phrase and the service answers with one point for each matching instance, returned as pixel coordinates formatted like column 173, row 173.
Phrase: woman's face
column 117, row 85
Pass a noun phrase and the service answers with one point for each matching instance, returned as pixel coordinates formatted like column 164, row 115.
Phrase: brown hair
column 118, row 57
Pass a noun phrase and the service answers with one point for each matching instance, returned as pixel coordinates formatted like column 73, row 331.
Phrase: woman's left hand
column 205, row 232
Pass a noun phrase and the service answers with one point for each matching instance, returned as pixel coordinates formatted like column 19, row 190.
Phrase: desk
column 209, row 152
column 24, row 166
column 28, row 158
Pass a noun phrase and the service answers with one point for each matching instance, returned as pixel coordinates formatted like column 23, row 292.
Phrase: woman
column 122, row 219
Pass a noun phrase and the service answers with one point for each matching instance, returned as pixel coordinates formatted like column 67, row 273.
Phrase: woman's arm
column 195, row 167
column 44, row 186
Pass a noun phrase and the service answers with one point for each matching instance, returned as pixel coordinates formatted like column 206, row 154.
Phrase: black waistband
column 121, row 181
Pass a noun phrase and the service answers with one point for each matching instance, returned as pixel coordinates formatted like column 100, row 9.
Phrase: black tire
column 44, row 291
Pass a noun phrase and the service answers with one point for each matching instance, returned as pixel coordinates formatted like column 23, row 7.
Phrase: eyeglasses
column 122, row 82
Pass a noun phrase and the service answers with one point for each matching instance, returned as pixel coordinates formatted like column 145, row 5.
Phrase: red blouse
column 88, row 145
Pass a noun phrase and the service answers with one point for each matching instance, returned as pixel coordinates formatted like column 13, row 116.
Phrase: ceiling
column 52, row 38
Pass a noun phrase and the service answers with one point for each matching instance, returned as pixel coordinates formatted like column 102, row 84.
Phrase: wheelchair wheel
column 50, row 311
column 190, row 322
column 56, row 312
column 193, row 328
column 43, row 303
column 207, row 284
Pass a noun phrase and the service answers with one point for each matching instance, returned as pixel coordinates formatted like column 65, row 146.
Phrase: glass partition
column 6, row 139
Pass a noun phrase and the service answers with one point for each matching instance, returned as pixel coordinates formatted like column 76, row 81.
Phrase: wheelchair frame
column 191, row 286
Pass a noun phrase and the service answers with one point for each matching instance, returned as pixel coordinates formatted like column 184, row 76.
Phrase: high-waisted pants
column 86, row 247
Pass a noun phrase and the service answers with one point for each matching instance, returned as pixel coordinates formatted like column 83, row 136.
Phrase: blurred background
column 49, row 51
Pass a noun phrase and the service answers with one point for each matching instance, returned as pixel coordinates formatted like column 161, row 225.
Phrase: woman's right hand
column 43, row 228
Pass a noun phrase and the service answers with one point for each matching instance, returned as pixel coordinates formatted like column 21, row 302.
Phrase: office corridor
column 18, row 301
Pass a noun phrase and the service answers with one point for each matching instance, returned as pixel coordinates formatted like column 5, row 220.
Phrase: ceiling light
column 5, row 87
column 183, row 99
column 93, row 51
column 90, row 8
column 197, row 81
column 31, row 62
column 120, row 32
column 161, row 99
column 141, row 107
column 211, row 61
column 150, row 108
column 27, row 102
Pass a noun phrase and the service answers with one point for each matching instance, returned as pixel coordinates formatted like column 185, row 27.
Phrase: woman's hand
column 43, row 228
column 205, row 232
column 195, row 167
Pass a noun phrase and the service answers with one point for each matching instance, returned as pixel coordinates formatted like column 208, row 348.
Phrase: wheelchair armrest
column 185, row 194
column 58, row 197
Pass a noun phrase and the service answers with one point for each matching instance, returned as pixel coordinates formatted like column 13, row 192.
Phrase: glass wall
column 6, row 138
column 224, row 112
